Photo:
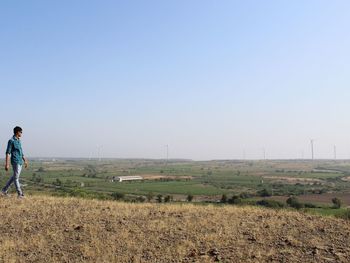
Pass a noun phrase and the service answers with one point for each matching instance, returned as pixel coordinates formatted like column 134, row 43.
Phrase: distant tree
column 270, row 203
column 235, row 200
column 168, row 198
column 189, row 198
column 91, row 171
column 150, row 196
column 159, row 198
column 141, row 199
column 299, row 205
column 244, row 195
column 294, row 202
column 41, row 170
column 118, row 196
column 58, row 182
column 265, row 193
column 223, row 199
column 36, row 178
column 336, row 202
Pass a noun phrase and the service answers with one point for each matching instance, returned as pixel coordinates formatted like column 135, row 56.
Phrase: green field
column 204, row 180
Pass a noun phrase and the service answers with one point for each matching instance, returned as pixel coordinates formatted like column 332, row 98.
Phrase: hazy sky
column 213, row 79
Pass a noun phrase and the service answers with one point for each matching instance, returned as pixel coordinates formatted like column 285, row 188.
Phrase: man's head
column 17, row 131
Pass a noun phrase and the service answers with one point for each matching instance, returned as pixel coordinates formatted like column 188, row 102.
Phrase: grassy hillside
column 48, row 229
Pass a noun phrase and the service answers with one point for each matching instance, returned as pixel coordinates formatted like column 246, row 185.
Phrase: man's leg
column 8, row 184
column 16, row 173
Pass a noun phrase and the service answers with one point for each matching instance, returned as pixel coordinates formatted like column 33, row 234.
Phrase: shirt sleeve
column 9, row 147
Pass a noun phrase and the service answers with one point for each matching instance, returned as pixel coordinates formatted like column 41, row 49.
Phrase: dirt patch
column 157, row 176
column 346, row 179
column 293, row 180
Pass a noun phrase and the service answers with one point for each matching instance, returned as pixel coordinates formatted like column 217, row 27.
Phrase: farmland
column 314, row 181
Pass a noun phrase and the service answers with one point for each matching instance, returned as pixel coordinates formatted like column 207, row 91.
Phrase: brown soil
column 157, row 176
column 47, row 229
column 293, row 180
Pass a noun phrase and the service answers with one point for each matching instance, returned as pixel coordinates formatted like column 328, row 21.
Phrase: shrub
column 245, row 195
column 294, row 202
column 118, row 196
column 336, row 203
column 159, row 198
column 168, row 198
column 265, row 193
column 58, row 182
column 150, row 196
column 189, row 198
column 37, row 179
column 223, row 199
column 235, row 200
column 270, row 203
column 141, row 199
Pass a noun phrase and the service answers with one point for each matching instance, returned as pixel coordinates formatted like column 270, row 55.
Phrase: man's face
column 19, row 134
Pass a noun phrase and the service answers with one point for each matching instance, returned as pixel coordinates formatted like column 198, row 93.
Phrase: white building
column 129, row 178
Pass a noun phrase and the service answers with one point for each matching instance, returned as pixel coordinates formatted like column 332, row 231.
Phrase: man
column 14, row 151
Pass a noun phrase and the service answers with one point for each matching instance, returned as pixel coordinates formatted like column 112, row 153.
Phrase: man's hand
column 26, row 164
column 7, row 162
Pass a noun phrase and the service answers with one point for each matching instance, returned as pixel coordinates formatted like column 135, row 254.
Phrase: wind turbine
column 99, row 148
column 264, row 152
column 312, row 148
column 167, row 154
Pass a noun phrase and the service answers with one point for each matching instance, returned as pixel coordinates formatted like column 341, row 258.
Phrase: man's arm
column 25, row 161
column 7, row 162
column 8, row 154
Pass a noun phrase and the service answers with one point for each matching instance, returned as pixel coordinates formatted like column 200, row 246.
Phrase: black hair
column 17, row 129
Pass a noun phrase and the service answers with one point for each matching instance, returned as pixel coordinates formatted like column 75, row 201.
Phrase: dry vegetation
column 47, row 229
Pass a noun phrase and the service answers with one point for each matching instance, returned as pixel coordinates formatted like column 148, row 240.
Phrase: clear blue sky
column 212, row 79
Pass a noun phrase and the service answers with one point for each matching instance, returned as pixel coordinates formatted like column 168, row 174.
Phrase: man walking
column 14, row 151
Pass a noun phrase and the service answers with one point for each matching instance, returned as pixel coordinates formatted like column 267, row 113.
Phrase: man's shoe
column 21, row 197
column 3, row 193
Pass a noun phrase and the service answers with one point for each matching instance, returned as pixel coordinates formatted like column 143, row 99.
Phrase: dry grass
column 47, row 229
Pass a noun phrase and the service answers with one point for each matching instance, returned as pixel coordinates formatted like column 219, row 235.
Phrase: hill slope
column 51, row 229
